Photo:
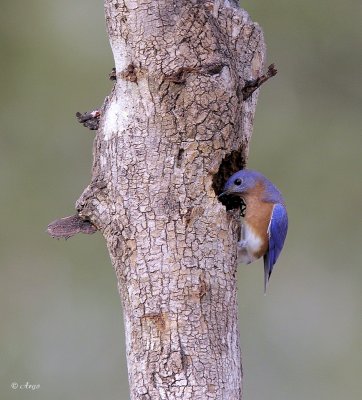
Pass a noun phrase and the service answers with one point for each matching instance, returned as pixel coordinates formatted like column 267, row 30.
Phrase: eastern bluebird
column 265, row 222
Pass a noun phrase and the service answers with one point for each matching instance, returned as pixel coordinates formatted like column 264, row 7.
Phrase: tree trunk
column 173, row 128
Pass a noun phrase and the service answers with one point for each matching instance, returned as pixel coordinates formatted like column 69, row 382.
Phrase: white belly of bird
column 248, row 245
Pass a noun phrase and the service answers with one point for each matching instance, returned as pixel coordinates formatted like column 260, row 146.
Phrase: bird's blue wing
column 277, row 231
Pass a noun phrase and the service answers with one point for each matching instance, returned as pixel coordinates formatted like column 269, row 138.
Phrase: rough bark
column 173, row 128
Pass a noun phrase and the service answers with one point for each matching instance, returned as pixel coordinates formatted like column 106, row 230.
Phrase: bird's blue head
column 241, row 182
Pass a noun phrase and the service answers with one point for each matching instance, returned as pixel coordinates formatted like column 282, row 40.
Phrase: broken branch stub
column 70, row 226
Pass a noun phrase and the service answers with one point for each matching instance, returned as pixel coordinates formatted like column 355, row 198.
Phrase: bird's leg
column 242, row 208
column 243, row 251
column 242, row 242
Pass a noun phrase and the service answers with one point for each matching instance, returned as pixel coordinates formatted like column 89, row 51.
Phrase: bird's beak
column 223, row 194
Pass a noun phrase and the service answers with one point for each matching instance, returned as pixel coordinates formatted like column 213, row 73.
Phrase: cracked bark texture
column 175, row 113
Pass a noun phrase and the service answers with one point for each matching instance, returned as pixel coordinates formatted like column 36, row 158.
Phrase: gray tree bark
column 174, row 127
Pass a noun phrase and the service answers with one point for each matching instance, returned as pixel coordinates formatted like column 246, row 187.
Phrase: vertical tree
column 176, row 124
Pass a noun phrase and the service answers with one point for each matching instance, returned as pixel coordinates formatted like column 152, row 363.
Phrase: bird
column 265, row 222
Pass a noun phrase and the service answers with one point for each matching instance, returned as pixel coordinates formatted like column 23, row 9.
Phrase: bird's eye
column 237, row 182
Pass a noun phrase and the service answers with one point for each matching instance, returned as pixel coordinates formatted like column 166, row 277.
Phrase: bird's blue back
column 277, row 232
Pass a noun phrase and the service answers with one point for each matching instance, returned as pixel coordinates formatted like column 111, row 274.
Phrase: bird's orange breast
column 257, row 217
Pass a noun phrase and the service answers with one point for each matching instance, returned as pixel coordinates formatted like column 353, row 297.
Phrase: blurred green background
column 61, row 322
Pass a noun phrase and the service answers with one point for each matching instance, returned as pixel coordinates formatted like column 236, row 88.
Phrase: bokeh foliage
column 61, row 318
